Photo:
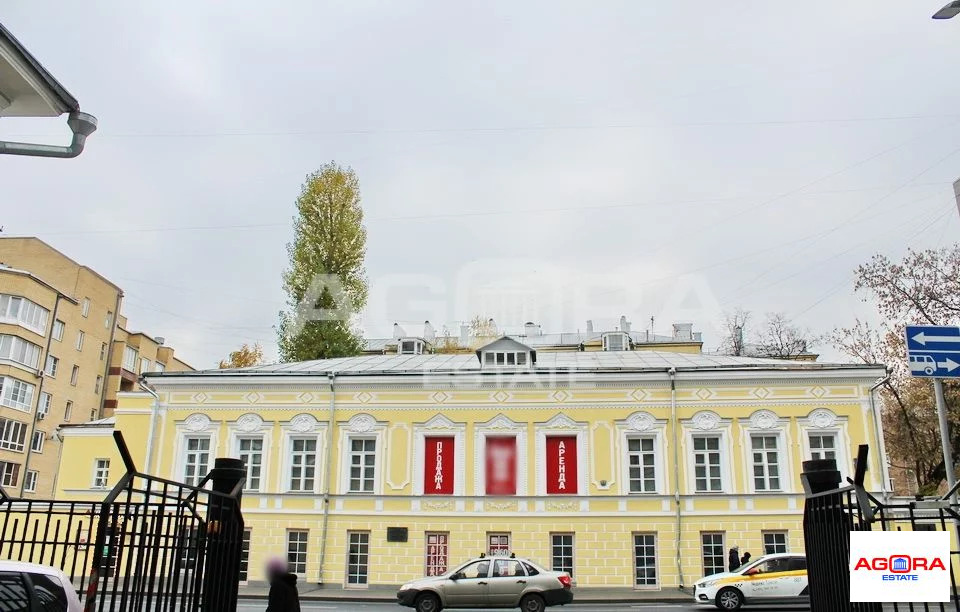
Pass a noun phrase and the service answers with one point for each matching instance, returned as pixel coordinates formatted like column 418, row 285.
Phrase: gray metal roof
column 42, row 73
column 596, row 361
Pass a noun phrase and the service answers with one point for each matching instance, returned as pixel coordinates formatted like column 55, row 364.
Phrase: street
column 260, row 605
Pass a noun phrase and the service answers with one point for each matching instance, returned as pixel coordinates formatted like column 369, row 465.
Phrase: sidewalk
column 312, row 592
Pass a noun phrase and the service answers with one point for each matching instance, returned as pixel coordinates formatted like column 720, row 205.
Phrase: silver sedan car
column 489, row 582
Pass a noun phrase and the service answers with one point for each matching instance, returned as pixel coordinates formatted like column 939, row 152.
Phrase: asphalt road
column 310, row 606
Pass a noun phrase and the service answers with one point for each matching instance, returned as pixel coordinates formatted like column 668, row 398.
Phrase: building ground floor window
column 712, row 552
column 437, row 547
column 297, row 550
column 245, row 556
column 498, row 544
column 358, row 558
column 774, row 542
column 645, row 559
column 561, row 549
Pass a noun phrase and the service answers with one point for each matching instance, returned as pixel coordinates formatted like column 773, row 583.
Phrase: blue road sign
column 933, row 351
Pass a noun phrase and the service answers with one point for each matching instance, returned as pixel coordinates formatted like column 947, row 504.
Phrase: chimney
column 624, row 324
column 398, row 331
column 464, row 335
column 493, row 326
column 589, row 326
column 160, row 340
column 531, row 329
column 683, row 332
column 429, row 334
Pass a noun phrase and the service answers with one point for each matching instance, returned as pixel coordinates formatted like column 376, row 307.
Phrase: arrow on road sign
column 923, row 338
column 949, row 365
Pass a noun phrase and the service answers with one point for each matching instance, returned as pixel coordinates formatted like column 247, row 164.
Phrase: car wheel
column 532, row 603
column 729, row 599
column 428, row 602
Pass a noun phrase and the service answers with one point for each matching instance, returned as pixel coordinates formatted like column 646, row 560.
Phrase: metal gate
column 831, row 512
column 151, row 545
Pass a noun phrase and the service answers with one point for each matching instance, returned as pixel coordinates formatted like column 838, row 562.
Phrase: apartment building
column 58, row 322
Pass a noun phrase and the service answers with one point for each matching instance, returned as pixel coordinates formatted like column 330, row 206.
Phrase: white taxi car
column 779, row 578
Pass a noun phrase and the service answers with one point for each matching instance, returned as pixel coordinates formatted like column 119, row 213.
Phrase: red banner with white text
column 438, row 473
column 501, row 475
column 562, row 465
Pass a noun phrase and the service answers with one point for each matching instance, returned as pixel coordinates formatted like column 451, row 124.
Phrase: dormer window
column 411, row 346
column 506, row 353
column 505, row 358
column 616, row 341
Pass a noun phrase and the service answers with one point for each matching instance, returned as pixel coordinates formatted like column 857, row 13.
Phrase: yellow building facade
column 634, row 469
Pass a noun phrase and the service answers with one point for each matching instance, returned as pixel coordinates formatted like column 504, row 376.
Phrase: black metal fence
column 151, row 545
column 831, row 512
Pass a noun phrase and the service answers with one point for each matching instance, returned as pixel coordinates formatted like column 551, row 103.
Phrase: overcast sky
column 545, row 161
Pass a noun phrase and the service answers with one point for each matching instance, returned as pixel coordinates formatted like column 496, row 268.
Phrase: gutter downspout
column 326, row 479
column 675, row 424
column 81, row 124
column 878, row 426
column 107, row 358
column 154, row 413
column 41, row 371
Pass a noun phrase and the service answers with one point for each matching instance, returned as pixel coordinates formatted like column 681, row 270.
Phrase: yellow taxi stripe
column 768, row 576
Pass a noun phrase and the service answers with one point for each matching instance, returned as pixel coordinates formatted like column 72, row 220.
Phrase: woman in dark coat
column 734, row 558
column 283, row 588
column 745, row 560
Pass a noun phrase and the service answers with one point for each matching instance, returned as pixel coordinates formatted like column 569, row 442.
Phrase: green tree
column 326, row 283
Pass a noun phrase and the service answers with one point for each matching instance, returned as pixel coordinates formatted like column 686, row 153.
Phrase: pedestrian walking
column 283, row 587
column 745, row 560
column 734, row 558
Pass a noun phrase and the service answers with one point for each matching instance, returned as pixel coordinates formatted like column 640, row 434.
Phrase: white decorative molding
column 436, row 505
column 361, row 423
column 249, row 423
column 499, row 425
column 502, row 422
column 398, row 486
column 706, row 420
column 196, row 423
column 592, row 466
column 561, row 421
column 304, row 423
column 562, row 506
column 439, row 422
column 640, row 421
column 823, row 418
column 439, row 425
column 764, row 419
column 501, row 506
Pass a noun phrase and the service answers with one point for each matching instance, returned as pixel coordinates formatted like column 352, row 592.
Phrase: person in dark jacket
column 283, row 588
column 745, row 560
column 734, row 558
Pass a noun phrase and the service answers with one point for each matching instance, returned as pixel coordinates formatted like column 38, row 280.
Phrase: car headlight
column 407, row 586
column 707, row 584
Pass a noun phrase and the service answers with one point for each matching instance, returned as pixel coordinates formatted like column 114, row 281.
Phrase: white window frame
column 103, row 351
column 57, row 331
column 300, row 426
column 656, row 560
column 197, row 424
column 305, row 552
column 50, row 365
column 41, row 436
column 724, row 464
column 98, row 384
column 80, row 338
column 17, row 344
column 624, row 339
column 500, row 552
column 499, row 427
column 144, row 365
column 11, row 478
column 74, row 375
column 101, row 473
column 30, row 484
column 642, row 425
column 7, row 397
column 14, row 443
column 346, row 581
column 765, row 463
column 707, row 423
column 130, row 359
column 443, row 542
column 245, row 539
column 159, row 367
column 365, row 454
column 85, row 307
column 440, row 427
column 837, row 428
column 724, row 553
column 361, row 426
column 775, row 532
column 573, row 550
column 107, row 320
column 261, row 477
column 185, row 448
column 777, row 426
column 68, row 411
column 43, row 406
column 418, row 346
column 559, row 426
column 253, row 426
column 21, row 319
column 492, row 359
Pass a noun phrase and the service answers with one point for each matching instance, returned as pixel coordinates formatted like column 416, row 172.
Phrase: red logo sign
column 438, row 466
column 562, row 465
column 501, row 466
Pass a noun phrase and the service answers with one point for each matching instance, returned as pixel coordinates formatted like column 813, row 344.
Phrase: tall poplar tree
column 326, row 283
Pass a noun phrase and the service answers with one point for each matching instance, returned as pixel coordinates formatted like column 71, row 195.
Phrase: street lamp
column 949, row 11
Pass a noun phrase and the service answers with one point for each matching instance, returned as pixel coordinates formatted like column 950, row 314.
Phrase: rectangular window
column 303, row 464
column 36, row 445
column 68, row 411
column 21, row 311
column 103, row 351
column 9, row 474
column 144, row 365
column 774, row 542
column 561, row 547
column 562, row 465
column 363, row 460
column 85, row 309
column 498, row 544
column 130, row 359
column 30, row 481
column 12, row 435
column 80, row 337
column 16, row 394
column 58, row 328
column 51, row 367
column 437, row 550
column 43, row 407
column 641, row 459
column 706, row 464
column 244, row 555
column 712, row 552
column 18, row 350
column 98, row 385
column 196, row 462
column 297, row 550
column 438, row 473
column 501, row 466
column 358, row 556
column 101, row 473
column 766, row 463
column 107, row 320
column 251, row 453
column 159, row 367
column 823, row 446
column 74, row 375
column 613, row 342
column 645, row 559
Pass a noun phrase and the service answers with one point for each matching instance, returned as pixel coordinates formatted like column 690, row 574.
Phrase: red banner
column 438, row 472
column 501, row 466
column 562, row 465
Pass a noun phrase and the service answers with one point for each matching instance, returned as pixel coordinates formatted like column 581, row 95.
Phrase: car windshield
column 766, row 565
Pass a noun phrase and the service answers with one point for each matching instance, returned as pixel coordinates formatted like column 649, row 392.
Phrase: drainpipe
column 154, row 413
column 81, row 124
column 39, row 394
column 326, row 479
column 676, row 463
column 106, row 358
column 878, row 426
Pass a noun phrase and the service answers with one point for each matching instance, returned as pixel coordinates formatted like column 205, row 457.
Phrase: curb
column 589, row 599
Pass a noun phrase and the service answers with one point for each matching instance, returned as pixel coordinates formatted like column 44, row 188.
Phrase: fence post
column 221, row 577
